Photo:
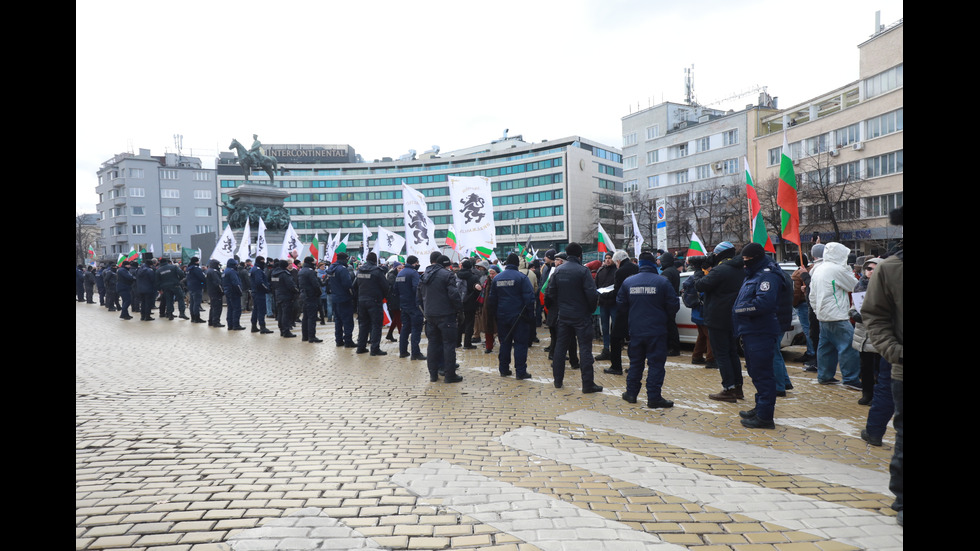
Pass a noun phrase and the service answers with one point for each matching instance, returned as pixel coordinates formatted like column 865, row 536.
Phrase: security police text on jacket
column 372, row 286
column 511, row 294
column 756, row 307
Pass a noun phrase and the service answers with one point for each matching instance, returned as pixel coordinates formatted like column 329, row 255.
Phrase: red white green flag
column 340, row 248
column 485, row 252
column 696, row 248
column 757, row 224
column 786, row 198
column 605, row 243
column 451, row 239
column 315, row 247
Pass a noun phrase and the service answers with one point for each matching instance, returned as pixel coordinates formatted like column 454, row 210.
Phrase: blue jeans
column 343, row 322
column 197, row 297
column 803, row 312
column 606, row 315
column 411, row 332
column 779, row 366
column 882, row 404
column 651, row 351
column 835, row 344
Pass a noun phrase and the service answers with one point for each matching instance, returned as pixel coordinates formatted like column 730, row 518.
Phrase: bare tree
column 607, row 208
column 830, row 195
column 86, row 235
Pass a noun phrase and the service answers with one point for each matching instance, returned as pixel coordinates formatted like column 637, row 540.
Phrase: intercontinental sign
column 292, row 153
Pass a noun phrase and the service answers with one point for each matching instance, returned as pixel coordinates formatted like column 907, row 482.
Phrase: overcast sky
column 388, row 76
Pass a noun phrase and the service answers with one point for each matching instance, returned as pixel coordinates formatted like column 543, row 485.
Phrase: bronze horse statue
column 249, row 160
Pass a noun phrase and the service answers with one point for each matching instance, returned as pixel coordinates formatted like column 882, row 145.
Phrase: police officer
column 341, row 287
column 196, row 281
column 755, row 320
column 574, row 290
column 124, row 288
column 260, row 288
column 111, row 294
column 650, row 303
column 231, row 284
column 406, row 286
column 309, row 288
column 286, row 290
column 215, row 293
column 170, row 276
column 372, row 288
column 146, row 287
column 441, row 299
column 511, row 300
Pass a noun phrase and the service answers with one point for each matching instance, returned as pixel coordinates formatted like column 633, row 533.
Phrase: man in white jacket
column 831, row 281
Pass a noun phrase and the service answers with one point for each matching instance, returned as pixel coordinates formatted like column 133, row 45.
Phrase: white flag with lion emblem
column 472, row 206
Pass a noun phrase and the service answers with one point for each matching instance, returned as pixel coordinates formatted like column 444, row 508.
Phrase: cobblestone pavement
column 190, row 438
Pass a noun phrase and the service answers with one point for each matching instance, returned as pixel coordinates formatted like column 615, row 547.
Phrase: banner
column 243, row 248
column 225, row 249
column 291, row 245
column 261, row 248
column 473, row 211
column 388, row 242
column 420, row 231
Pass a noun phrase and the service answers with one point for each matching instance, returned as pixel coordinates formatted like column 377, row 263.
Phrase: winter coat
column 721, row 287
column 883, row 312
column 830, row 283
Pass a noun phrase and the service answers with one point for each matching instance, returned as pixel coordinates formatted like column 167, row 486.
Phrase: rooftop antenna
column 178, row 143
column 689, row 96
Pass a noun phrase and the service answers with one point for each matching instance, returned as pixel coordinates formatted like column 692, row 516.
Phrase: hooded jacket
column 830, row 283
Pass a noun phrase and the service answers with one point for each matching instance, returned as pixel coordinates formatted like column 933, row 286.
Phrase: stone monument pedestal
column 254, row 201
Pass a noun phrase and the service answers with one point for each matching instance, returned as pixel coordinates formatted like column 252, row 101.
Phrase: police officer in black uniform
column 309, row 288
column 372, row 288
column 286, row 291
column 441, row 299
column 407, row 285
column 574, row 290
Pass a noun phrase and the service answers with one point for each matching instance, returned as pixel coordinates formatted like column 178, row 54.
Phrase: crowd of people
column 741, row 302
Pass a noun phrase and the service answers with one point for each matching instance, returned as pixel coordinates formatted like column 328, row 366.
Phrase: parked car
column 689, row 332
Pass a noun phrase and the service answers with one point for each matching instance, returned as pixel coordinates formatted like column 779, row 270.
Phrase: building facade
column 154, row 202
column 691, row 157
column 847, row 150
column 551, row 191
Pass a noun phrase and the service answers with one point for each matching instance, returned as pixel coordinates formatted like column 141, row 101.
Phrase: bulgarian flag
column 757, row 224
column 91, row 251
column 485, row 252
column 526, row 250
column 786, row 198
column 451, row 239
column 340, row 248
column 605, row 244
column 696, row 248
column 315, row 247
column 545, row 286
column 133, row 255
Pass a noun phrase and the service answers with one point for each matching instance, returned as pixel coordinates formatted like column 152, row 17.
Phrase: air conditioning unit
column 858, row 146
column 834, row 152
column 717, row 166
column 796, row 162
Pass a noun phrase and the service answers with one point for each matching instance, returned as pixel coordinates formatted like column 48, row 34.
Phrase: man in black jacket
column 372, row 288
column 440, row 297
column 669, row 271
column 720, row 287
column 215, row 293
column 309, row 288
column 573, row 288
column 468, row 277
column 620, row 329
column 605, row 277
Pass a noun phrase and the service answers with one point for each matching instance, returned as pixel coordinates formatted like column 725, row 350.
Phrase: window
column 136, row 173
column 682, row 150
column 169, row 193
column 680, row 177
column 795, row 150
column 630, row 185
column 817, row 144
column 138, row 229
column 730, row 166
column 701, row 198
column 113, row 193
column 885, row 124
column 653, row 181
column 202, row 211
column 881, row 165
column 137, row 192
column 138, row 211
column 704, row 144
column 701, row 172
column 203, row 229
column 848, row 135
column 170, row 211
column 775, row 155
column 202, row 193
column 629, row 162
column 653, row 131
column 653, row 156
column 885, row 81
column 171, row 230
column 882, row 204
column 202, row 176
column 168, row 174
column 730, row 137
column 848, row 172
column 629, row 139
